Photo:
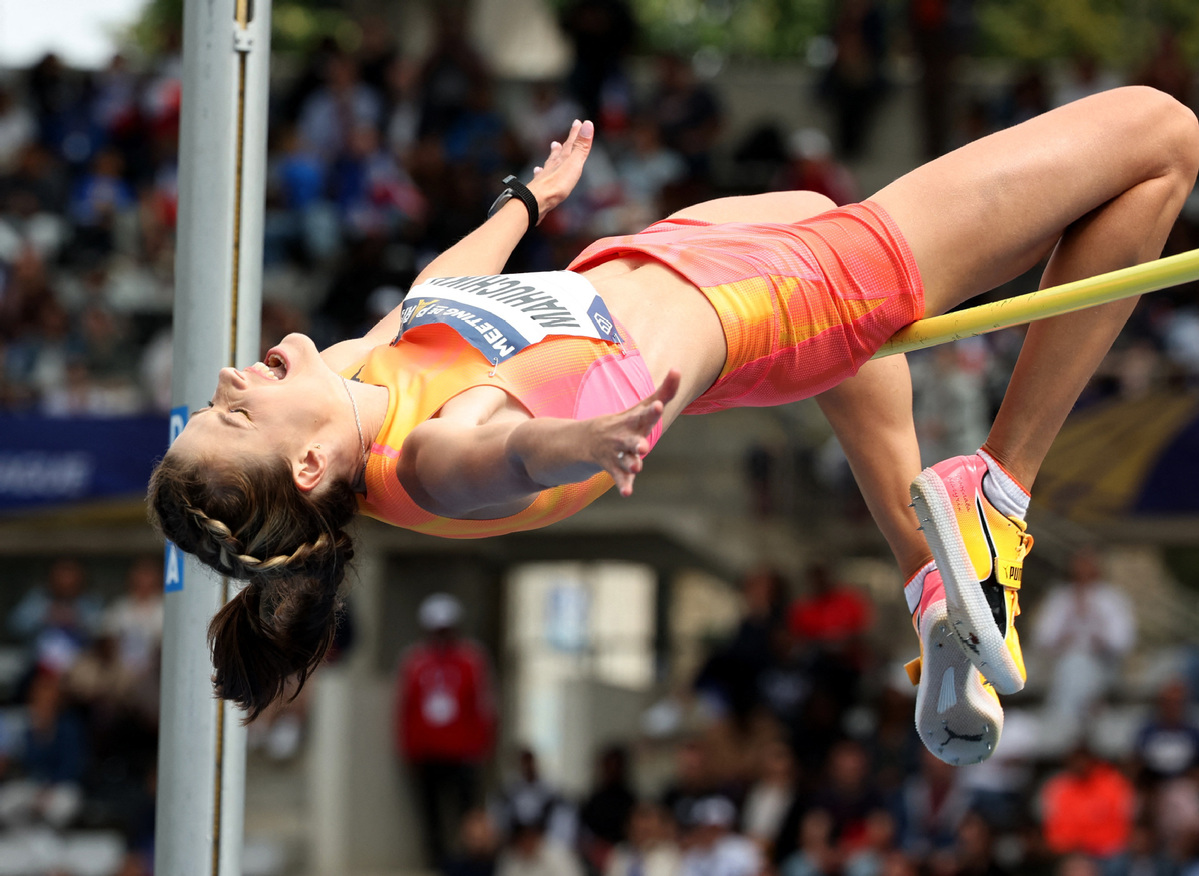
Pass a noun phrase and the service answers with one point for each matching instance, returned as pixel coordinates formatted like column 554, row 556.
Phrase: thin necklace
column 358, row 424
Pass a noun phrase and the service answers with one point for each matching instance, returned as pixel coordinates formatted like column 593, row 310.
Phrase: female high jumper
column 489, row 403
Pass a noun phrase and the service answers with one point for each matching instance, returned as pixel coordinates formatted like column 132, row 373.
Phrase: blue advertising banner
column 45, row 462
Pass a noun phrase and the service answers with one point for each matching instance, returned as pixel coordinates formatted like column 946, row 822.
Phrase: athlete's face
column 278, row 407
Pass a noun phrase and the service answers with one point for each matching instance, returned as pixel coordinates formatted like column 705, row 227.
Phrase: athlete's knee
column 1170, row 127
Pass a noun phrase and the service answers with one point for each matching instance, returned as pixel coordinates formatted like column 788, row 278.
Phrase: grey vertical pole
column 218, row 270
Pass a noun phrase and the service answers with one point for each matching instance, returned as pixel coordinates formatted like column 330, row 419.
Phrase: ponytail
column 251, row 522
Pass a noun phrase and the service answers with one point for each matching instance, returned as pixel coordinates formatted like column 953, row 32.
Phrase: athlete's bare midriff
column 670, row 320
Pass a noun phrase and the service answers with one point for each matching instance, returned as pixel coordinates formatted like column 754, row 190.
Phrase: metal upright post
column 218, row 268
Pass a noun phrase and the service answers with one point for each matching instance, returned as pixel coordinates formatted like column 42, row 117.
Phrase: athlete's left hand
column 619, row 441
column 557, row 178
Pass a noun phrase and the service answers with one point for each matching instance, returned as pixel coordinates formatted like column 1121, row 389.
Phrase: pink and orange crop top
column 546, row 339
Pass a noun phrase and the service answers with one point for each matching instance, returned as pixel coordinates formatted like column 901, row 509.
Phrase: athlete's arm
column 486, row 249
column 453, row 469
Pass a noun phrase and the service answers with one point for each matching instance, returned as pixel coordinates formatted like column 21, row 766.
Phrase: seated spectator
column 730, row 677
column 604, row 815
column 692, row 782
column 1147, row 855
column 57, row 620
column 479, row 846
column 100, row 198
column 771, row 795
column 529, row 851
column 528, row 799
column 933, row 806
column 650, row 849
column 813, row 167
column 50, row 767
column 848, row 793
column 342, row 105
column 879, row 846
column 1167, row 747
column 1087, row 808
column 975, row 850
column 816, row 853
column 18, row 129
column 713, row 848
column 1086, row 626
column 135, row 619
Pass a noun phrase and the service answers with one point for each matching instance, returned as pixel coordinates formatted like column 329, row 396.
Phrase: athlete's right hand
column 619, row 441
column 555, row 180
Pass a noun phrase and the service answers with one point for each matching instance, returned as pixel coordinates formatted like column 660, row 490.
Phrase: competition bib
column 502, row 314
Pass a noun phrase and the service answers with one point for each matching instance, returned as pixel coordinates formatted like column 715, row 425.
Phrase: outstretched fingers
column 629, row 442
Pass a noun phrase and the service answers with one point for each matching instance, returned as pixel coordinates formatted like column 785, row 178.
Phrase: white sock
column 1002, row 491
column 914, row 589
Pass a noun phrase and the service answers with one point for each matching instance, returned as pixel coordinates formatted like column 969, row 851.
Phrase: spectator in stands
column 18, row 129
column 1147, row 855
column 445, row 718
column 878, row 847
column 479, row 845
column 848, row 793
column 338, row 108
column 452, row 71
column 691, row 782
column 855, row 82
column 602, row 32
column 651, row 848
column 529, row 799
column 831, row 620
column 812, row 166
column 713, row 847
column 57, row 620
column 135, row 619
column 730, row 678
column 1087, row 807
column 975, row 850
column 1167, row 746
column 604, row 815
column 816, row 853
column 688, row 113
column 530, row 851
column 771, row 795
column 933, row 806
column 1085, row 626
column 51, row 765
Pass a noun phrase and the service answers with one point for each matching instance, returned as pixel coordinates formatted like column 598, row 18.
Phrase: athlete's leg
column 871, row 414
column 1099, row 183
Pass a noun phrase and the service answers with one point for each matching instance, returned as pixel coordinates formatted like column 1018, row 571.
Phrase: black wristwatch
column 517, row 189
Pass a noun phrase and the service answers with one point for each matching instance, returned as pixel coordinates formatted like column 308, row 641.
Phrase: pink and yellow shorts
column 803, row 305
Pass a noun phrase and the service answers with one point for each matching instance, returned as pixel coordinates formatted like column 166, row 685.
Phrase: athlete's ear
column 309, row 470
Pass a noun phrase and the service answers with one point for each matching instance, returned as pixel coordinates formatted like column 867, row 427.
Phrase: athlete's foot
column 958, row 715
column 980, row 554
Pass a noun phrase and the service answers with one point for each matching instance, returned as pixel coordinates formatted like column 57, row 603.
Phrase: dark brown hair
column 250, row 521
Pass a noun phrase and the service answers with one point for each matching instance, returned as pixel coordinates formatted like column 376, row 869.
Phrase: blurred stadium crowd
column 378, row 161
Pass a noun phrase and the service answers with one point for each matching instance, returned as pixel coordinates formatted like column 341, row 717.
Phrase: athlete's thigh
column 983, row 214
column 766, row 207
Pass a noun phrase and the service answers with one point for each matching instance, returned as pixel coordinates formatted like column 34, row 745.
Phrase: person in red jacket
column 1088, row 808
column 445, row 718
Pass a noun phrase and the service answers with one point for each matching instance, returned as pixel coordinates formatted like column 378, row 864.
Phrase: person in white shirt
column 1085, row 628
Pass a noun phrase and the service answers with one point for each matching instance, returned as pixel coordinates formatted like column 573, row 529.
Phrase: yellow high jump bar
column 1044, row 303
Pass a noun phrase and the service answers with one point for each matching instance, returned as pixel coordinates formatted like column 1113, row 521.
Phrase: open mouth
column 274, row 368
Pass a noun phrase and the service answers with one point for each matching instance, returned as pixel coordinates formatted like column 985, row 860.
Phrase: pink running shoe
column 980, row 553
column 958, row 714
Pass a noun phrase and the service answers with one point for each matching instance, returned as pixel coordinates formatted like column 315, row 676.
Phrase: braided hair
column 250, row 521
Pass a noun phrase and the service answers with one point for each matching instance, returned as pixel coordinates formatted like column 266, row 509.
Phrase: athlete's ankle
column 1002, row 488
